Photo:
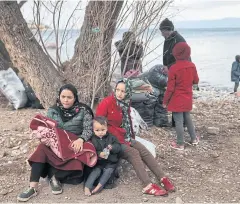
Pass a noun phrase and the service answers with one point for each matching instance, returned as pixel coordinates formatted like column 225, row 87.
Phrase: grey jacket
column 235, row 73
column 80, row 124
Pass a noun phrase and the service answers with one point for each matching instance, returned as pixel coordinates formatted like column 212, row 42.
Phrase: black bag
column 156, row 76
column 33, row 101
column 160, row 118
column 146, row 109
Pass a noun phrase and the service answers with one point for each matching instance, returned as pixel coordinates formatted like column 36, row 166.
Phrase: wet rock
column 24, row 148
column 18, row 129
column 10, row 190
column 214, row 154
column 4, row 192
column 179, row 200
column 7, row 143
column 15, row 153
column 17, row 147
column 231, row 126
column 2, row 153
column 213, row 130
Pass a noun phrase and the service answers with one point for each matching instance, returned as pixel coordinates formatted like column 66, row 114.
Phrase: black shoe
column 110, row 186
column 162, row 124
column 26, row 195
column 55, row 186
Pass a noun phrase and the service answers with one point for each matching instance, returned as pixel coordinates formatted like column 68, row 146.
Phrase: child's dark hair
column 100, row 119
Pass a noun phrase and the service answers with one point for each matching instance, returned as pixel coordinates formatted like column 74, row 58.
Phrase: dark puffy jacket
column 169, row 43
column 235, row 73
column 80, row 124
column 101, row 143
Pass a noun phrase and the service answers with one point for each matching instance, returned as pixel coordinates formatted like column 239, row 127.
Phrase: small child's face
column 99, row 130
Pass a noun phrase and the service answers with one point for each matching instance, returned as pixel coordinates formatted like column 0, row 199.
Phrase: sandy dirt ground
column 208, row 173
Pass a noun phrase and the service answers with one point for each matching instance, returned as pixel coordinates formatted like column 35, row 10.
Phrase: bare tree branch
column 21, row 3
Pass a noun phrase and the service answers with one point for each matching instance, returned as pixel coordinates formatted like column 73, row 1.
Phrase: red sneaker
column 155, row 190
column 174, row 145
column 168, row 184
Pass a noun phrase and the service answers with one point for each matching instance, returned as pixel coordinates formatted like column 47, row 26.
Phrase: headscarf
column 125, row 105
column 69, row 113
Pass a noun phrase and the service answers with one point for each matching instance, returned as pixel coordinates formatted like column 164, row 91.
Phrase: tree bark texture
column 4, row 64
column 27, row 55
column 90, row 65
column 4, row 57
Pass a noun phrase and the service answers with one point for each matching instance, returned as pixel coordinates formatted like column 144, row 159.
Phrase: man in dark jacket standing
column 171, row 39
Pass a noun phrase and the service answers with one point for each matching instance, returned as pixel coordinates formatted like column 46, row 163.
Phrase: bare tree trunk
column 27, row 55
column 90, row 65
column 5, row 61
column 4, row 57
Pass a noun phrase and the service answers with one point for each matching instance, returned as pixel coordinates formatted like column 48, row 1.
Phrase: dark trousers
column 236, row 86
column 46, row 170
column 38, row 170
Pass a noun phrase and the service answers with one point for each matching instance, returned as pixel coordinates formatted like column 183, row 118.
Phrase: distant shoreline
column 225, row 29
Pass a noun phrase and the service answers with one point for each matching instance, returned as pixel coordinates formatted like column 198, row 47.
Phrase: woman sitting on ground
column 72, row 116
column 116, row 108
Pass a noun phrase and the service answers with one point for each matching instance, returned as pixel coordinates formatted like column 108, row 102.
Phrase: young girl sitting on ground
column 108, row 149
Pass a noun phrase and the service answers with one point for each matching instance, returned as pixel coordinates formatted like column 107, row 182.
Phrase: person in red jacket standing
column 116, row 108
column 178, row 96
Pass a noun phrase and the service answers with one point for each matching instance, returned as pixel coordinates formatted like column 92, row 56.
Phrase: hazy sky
column 181, row 10
column 207, row 9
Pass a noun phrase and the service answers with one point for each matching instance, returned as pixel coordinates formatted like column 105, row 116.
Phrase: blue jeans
column 96, row 173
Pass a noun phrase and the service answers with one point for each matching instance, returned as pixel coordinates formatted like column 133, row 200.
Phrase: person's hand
column 165, row 70
column 102, row 155
column 109, row 147
column 77, row 145
column 164, row 105
column 195, row 87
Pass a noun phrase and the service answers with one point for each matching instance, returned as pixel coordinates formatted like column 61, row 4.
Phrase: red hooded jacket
column 108, row 108
column 181, row 77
